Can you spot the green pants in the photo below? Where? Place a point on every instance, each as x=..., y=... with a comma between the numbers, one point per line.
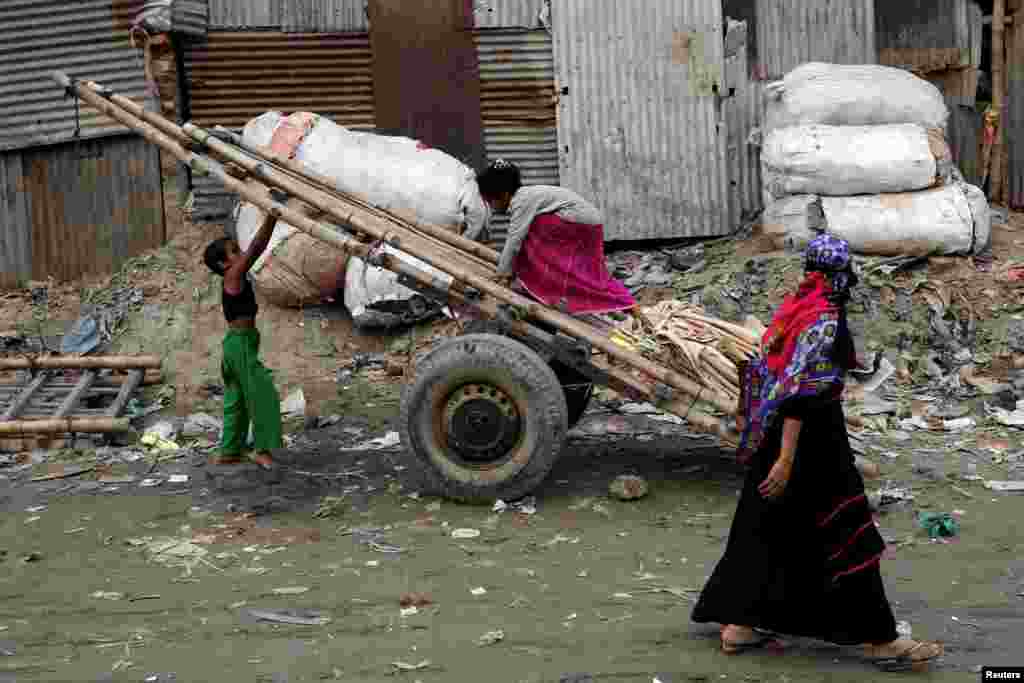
x=249, y=395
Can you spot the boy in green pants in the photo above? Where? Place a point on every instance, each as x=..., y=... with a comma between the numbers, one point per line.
x=249, y=392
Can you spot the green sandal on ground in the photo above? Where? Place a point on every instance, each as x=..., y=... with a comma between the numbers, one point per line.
x=907, y=661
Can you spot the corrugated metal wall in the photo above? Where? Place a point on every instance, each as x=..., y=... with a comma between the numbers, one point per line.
x=324, y=16
x=245, y=14
x=639, y=128
x=508, y=13
x=791, y=32
x=930, y=35
x=742, y=112
x=85, y=39
x=234, y=76
x=1015, y=130
x=78, y=208
x=191, y=17
x=517, y=101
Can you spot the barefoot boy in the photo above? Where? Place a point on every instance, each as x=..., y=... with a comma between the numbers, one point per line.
x=249, y=392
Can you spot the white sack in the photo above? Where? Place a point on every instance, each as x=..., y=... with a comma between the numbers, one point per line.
x=953, y=219
x=853, y=95
x=367, y=286
x=850, y=160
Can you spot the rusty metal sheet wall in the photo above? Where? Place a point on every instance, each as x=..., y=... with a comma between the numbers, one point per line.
x=15, y=228
x=243, y=14
x=517, y=102
x=639, y=128
x=927, y=34
x=963, y=134
x=234, y=76
x=86, y=39
x=324, y=16
x=1015, y=128
x=109, y=209
x=508, y=13
x=742, y=111
x=792, y=32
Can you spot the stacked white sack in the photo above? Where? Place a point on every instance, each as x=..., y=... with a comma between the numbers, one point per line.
x=860, y=152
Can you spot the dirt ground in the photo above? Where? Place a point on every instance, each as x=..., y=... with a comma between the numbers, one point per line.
x=102, y=579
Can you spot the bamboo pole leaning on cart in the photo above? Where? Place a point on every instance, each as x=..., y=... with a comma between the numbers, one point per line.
x=80, y=362
x=482, y=284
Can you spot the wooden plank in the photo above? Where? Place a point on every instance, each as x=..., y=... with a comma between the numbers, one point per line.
x=16, y=235
x=127, y=389
x=80, y=362
x=81, y=425
x=24, y=397
x=76, y=394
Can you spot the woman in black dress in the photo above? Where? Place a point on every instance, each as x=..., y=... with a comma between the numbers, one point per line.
x=803, y=553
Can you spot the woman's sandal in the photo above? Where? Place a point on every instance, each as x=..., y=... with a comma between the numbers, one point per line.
x=905, y=661
x=735, y=647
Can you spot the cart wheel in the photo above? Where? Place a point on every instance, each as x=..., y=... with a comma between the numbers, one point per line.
x=576, y=386
x=483, y=419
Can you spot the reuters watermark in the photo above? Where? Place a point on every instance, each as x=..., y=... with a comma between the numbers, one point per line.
x=1002, y=673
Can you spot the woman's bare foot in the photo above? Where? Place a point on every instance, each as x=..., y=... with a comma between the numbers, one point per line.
x=904, y=654
x=736, y=639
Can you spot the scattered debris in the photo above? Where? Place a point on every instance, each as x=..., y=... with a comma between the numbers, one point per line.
x=478, y=591
x=491, y=637
x=526, y=506
x=403, y=666
x=294, y=617
x=62, y=471
x=415, y=600
x=389, y=440
x=939, y=524
x=294, y=405
x=199, y=424
x=465, y=534
x=290, y=590
x=1005, y=486
x=628, y=487
x=330, y=506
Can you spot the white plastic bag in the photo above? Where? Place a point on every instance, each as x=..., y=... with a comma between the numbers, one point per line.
x=953, y=219
x=853, y=95
x=851, y=160
x=792, y=222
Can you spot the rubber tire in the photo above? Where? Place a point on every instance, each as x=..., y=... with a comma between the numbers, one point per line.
x=520, y=373
x=576, y=399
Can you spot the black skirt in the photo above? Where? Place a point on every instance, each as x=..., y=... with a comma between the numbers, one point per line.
x=806, y=564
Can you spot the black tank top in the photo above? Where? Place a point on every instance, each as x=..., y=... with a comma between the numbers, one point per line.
x=242, y=305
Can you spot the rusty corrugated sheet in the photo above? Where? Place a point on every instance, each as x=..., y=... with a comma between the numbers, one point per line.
x=963, y=134
x=242, y=14
x=86, y=39
x=191, y=17
x=928, y=35
x=517, y=102
x=234, y=76
x=742, y=111
x=324, y=16
x=1015, y=114
x=109, y=207
x=792, y=32
x=639, y=128
x=15, y=227
x=508, y=13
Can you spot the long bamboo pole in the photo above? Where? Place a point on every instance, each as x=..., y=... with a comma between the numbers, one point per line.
x=80, y=425
x=80, y=362
x=563, y=322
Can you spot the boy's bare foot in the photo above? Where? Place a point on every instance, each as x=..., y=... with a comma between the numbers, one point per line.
x=264, y=460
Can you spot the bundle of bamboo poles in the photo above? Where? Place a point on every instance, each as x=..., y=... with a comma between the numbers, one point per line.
x=684, y=337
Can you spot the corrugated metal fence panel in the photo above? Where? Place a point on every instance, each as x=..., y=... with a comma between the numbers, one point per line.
x=792, y=32
x=324, y=16
x=191, y=17
x=927, y=35
x=15, y=227
x=234, y=76
x=742, y=112
x=963, y=135
x=517, y=102
x=638, y=127
x=508, y=13
x=1015, y=129
x=111, y=207
x=86, y=39
x=239, y=14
